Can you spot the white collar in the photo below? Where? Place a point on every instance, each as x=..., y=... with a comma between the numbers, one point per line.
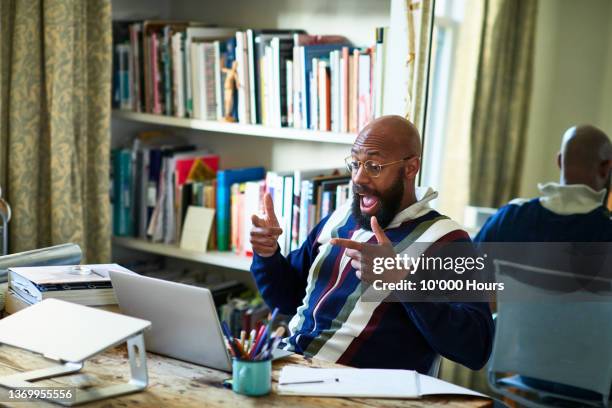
x=421, y=207
x=570, y=198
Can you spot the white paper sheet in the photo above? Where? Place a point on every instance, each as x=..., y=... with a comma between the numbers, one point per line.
x=351, y=382
x=196, y=228
x=365, y=383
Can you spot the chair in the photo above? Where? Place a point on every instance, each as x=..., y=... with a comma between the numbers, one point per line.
x=551, y=337
x=434, y=370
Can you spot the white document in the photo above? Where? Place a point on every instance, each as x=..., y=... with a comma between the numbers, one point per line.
x=364, y=383
x=434, y=386
x=351, y=382
x=196, y=228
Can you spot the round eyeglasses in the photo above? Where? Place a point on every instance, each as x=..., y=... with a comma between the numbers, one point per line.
x=371, y=167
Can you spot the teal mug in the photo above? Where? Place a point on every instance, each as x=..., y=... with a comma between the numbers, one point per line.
x=253, y=378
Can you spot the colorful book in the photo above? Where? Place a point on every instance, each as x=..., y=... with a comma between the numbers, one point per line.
x=225, y=178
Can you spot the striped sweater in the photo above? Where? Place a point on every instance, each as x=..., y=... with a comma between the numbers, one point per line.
x=318, y=287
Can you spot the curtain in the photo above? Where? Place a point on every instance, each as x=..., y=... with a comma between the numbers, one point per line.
x=501, y=103
x=55, y=123
x=419, y=21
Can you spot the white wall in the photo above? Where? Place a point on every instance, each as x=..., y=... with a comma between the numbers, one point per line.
x=572, y=80
x=605, y=113
x=356, y=19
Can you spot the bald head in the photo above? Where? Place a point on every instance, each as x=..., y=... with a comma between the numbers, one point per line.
x=585, y=157
x=392, y=133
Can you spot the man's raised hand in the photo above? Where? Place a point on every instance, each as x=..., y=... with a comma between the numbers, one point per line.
x=265, y=230
x=362, y=254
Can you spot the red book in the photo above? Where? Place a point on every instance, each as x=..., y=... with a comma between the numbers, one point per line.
x=183, y=166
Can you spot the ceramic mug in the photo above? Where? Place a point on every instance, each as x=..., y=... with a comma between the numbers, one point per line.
x=252, y=378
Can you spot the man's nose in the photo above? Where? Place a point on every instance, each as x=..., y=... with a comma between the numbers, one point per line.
x=361, y=176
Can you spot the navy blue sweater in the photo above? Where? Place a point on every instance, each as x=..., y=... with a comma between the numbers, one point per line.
x=396, y=335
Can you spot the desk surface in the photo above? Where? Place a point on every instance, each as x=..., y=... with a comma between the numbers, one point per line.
x=174, y=383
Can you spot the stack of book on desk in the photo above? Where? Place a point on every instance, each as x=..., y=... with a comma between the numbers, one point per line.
x=30, y=285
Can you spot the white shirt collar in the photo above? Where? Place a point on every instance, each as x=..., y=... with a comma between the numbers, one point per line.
x=421, y=207
x=570, y=198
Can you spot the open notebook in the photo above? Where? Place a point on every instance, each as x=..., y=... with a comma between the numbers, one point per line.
x=363, y=383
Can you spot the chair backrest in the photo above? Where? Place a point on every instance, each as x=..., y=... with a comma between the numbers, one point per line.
x=434, y=370
x=558, y=339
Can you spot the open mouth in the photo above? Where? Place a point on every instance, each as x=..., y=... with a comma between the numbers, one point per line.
x=368, y=204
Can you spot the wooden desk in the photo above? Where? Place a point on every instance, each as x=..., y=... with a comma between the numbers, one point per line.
x=174, y=383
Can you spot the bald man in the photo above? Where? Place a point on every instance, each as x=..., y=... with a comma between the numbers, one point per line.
x=571, y=211
x=318, y=284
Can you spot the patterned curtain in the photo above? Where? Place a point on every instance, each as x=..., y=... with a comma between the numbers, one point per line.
x=501, y=103
x=419, y=21
x=55, y=123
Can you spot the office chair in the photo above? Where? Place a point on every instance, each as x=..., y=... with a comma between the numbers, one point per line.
x=434, y=370
x=553, y=339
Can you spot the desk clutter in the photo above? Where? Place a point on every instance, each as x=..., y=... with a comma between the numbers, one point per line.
x=87, y=285
x=64, y=332
x=259, y=345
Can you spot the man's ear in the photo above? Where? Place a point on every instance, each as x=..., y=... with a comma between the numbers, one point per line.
x=605, y=167
x=559, y=160
x=411, y=168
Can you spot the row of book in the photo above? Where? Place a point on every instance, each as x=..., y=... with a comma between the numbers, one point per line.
x=154, y=185
x=278, y=78
x=301, y=199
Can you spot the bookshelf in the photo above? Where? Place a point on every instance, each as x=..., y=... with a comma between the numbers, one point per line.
x=244, y=145
x=237, y=129
x=216, y=258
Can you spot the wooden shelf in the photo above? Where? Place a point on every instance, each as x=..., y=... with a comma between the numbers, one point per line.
x=224, y=259
x=238, y=129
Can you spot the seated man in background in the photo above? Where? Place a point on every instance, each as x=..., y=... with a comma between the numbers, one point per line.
x=573, y=210
x=318, y=284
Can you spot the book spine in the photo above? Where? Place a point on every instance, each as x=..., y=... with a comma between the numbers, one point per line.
x=177, y=74
x=297, y=81
x=314, y=95
x=209, y=74
x=188, y=58
x=354, y=92
x=122, y=220
x=344, y=90
x=289, y=92
x=218, y=82
x=252, y=79
x=364, y=91
x=155, y=74
x=241, y=76
x=167, y=71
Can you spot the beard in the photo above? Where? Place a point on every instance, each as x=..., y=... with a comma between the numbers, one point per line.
x=389, y=203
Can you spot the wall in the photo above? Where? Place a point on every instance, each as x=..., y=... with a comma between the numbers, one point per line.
x=605, y=113
x=572, y=81
x=355, y=19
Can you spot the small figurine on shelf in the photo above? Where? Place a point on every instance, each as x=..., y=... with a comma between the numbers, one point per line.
x=230, y=86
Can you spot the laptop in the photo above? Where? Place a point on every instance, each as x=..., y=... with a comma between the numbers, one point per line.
x=184, y=319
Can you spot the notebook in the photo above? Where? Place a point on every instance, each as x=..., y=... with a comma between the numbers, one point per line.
x=364, y=383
